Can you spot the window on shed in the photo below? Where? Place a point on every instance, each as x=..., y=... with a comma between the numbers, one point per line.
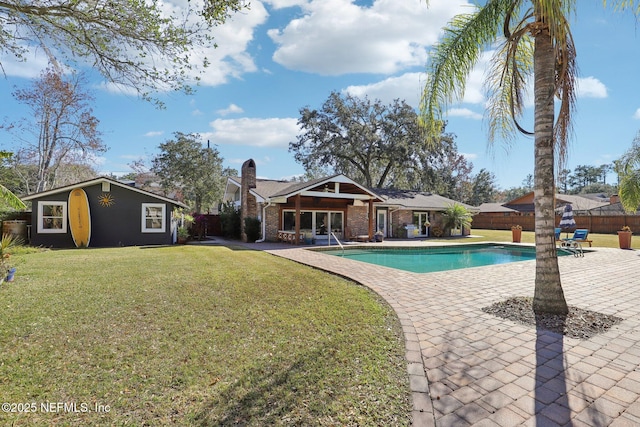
x=153, y=217
x=52, y=217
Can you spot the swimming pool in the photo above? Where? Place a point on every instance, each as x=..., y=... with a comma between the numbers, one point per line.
x=431, y=259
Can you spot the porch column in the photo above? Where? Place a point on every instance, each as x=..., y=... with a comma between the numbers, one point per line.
x=372, y=219
x=297, y=228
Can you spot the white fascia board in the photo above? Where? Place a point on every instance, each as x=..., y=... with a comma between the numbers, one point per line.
x=330, y=195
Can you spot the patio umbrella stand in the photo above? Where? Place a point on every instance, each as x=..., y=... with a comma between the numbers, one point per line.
x=567, y=222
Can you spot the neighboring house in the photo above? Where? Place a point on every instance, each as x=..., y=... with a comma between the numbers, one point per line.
x=596, y=212
x=580, y=204
x=312, y=210
x=121, y=215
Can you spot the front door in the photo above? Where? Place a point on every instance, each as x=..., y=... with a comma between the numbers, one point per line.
x=381, y=222
x=421, y=221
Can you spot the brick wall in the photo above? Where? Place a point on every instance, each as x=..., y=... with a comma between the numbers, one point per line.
x=272, y=220
x=357, y=221
x=398, y=220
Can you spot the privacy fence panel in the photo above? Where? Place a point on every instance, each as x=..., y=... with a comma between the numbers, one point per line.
x=606, y=224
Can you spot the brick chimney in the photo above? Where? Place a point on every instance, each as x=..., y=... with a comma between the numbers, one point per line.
x=614, y=199
x=248, y=204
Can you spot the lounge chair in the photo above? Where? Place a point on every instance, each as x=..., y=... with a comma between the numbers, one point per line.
x=558, y=231
x=579, y=236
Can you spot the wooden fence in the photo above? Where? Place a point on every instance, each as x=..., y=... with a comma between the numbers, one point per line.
x=605, y=224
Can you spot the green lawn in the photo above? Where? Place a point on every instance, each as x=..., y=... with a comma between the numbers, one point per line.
x=195, y=335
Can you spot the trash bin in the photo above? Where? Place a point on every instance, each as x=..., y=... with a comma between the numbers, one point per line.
x=410, y=231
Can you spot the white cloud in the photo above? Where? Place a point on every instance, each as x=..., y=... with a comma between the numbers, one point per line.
x=154, y=133
x=469, y=156
x=335, y=37
x=35, y=62
x=273, y=132
x=281, y=4
x=590, y=87
x=637, y=114
x=465, y=113
x=229, y=60
x=406, y=87
x=231, y=109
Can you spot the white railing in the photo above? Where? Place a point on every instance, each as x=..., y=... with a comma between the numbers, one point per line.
x=337, y=240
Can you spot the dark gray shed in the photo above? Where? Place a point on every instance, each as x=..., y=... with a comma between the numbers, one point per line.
x=121, y=215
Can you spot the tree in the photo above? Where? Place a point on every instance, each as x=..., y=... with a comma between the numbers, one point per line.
x=124, y=40
x=367, y=141
x=583, y=176
x=513, y=193
x=61, y=128
x=197, y=171
x=628, y=168
x=447, y=172
x=456, y=216
x=7, y=197
x=534, y=40
x=483, y=188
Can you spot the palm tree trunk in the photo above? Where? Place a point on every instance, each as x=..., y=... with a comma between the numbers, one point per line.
x=548, y=296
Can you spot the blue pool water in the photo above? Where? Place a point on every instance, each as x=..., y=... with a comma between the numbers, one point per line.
x=430, y=259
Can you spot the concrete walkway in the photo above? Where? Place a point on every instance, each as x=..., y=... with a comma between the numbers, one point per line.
x=467, y=367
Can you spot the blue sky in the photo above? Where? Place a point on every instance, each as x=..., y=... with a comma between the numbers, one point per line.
x=283, y=55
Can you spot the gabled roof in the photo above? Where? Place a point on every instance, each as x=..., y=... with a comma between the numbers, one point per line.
x=265, y=188
x=418, y=200
x=100, y=180
x=494, y=207
x=578, y=202
x=281, y=190
x=328, y=186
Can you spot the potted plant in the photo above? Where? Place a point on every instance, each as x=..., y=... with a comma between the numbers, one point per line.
x=516, y=233
x=6, y=270
x=183, y=235
x=624, y=237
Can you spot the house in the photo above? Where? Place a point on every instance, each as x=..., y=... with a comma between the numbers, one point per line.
x=400, y=208
x=120, y=215
x=586, y=207
x=335, y=205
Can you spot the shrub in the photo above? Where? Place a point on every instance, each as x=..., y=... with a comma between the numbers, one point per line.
x=230, y=221
x=252, y=229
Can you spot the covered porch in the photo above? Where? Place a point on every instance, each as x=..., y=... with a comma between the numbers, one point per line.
x=329, y=208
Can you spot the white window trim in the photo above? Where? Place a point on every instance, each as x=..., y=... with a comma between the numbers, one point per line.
x=163, y=207
x=41, y=229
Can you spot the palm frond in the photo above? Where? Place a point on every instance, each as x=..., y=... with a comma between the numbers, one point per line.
x=622, y=5
x=10, y=199
x=566, y=75
x=511, y=68
x=629, y=170
x=464, y=41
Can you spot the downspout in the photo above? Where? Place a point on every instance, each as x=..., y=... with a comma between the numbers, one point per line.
x=264, y=223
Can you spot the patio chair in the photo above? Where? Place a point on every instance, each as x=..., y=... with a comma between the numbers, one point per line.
x=579, y=236
x=558, y=231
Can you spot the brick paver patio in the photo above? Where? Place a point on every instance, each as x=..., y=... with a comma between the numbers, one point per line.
x=467, y=367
